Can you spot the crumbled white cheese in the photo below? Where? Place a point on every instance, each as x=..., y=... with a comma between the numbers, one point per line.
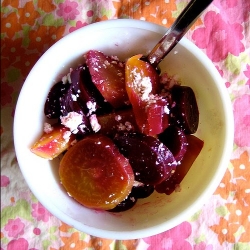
x=138, y=184
x=64, y=79
x=118, y=118
x=166, y=110
x=132, y=199
x=74, y=97
x=161, y=147
x=66, y=136
x=67, y=78
x=142, y=84
x=128, y=126
x=82, y=127
x=152, y=60
x=115, y=58
x=146, y=87
x=47, y=128
x=94, y=123
x=91, y=107
x=72, y=120
x=106, y=62
x=121, y=127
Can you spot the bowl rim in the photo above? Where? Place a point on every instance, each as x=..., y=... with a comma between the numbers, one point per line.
x=225, y=157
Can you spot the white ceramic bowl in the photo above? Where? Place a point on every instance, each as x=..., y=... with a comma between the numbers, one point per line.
x=159, y=212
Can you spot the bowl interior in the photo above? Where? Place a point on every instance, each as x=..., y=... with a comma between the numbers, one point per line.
x=159, y=212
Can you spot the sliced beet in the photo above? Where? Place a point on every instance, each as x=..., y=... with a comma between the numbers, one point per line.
x=88, y=95
x=95, y=173
x=91, y=93
x=151, y=160
x=185, y=109
x=69, y=104
x=194, y=148
x=75, y=77
x=65, y=102
x=52, y=107
x=108, y=75
x=143, y=86
x=175, y=139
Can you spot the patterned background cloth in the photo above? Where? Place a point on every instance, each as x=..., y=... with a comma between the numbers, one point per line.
x=29, y=28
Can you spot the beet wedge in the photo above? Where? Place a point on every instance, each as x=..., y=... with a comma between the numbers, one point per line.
x=142, y=83
x=108, y=75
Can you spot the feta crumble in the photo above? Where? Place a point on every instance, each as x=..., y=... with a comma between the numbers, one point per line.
x=67, y=77
x=72, y=120
x=74, y=97
x=91, y=107
x=94, y=123
x=142, y=84
x=47, y=128
x=66, y=136
x=166, y=110
x=118, y=118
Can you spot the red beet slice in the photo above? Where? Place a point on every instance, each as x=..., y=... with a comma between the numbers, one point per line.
x=52, y=107
x=69, y=104
x=152, y=162
x=108, y=75
x=86, y=92
x=175, y=139
x=193, y=150
x=185, y=111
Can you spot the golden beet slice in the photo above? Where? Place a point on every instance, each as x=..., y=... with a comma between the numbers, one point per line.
x=95, y=173
x=143, y=85
x=54, y=142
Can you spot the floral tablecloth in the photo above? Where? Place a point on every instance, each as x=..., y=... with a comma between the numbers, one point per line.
x=29, y=28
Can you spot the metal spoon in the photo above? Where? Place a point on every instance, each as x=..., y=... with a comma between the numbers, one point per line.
x=179, y=28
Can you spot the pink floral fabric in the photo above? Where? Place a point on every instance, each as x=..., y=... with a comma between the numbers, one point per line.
x=175, y=238
x=40, y=213
x=68, y=10
x=29, y=28
x=242, y=121
x=221, y=32
x=14, y=227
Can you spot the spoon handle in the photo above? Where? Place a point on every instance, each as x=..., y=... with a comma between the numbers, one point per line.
x=179, y=28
